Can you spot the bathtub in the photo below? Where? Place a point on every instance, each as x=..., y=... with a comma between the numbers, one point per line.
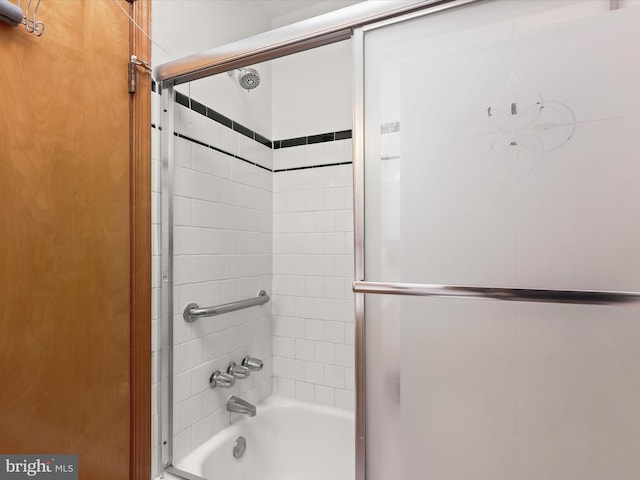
x=286, y=440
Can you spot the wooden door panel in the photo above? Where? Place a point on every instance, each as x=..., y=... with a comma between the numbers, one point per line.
x=65, y=237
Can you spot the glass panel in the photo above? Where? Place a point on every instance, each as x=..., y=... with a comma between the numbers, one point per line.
x=488, y=390
x=501, y=147
x=501, y=150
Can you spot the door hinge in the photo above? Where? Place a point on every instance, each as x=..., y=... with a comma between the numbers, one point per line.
x=133, y=63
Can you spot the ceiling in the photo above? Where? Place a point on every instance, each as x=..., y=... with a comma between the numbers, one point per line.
x=279, y=8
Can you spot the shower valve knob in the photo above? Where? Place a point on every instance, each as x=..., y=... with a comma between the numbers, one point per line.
x=223, y=380
x=238, y=371
x=251, y=363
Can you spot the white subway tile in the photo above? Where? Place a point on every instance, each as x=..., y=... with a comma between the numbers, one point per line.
x=181, y=269
x=325, y=221
x=182, y=152
x=344, y=265
x=295, y=369
x=349, y=334
x=334, y=243
x=324, y=395
x=211, y=132
x=201, y=268
x=344, y=221
x=229, y=141
x=306, y=222
x=304, y=349
x=191, y=354
x=314, y=287
x=190, y=411
x=314, y=329
x=324, y=308
x=304, y=307
x=190, y=184
x=344, y=310
x=344, y=399
x=314, y=373
x=222, y=165
x=201, y=431
x=211, y=241
x=324, y=265
x=344, y=173
x=305, y=392
x=285, y=347
x=182, y=211
x=350, y=379
x=182, y=444
x=212, y=188
x=324, y=352
x=190, y=240
x=200, y=378
x=202, y=159
x=286, y=387
x=213, y=345
x=221, y=419
x=279, y=366
x=181, y=387
x=334, y=332
x=334, y=376
x=313, y=200
x=345, y=355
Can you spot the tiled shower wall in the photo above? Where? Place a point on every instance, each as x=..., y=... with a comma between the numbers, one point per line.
x=313, y=306
x=230, y=233
x=222, y=253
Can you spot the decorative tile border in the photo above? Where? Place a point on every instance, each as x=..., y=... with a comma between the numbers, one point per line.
x=179, y=135
x=203, y=110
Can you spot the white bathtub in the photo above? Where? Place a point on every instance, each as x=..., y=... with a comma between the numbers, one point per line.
x=286, y=440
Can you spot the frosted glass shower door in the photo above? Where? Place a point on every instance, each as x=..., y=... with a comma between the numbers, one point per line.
x=501, y=149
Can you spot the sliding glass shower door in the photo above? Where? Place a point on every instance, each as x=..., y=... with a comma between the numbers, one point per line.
x=500, y=184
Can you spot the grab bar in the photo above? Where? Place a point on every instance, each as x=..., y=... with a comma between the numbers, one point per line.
x=580, y=297
x=192, y=311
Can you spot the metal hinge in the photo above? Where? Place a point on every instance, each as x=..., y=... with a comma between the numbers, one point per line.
x=133, y=63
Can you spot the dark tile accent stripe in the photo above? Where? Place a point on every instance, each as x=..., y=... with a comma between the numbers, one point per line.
x=311, y=166
x=218, y=117
x=182, y=99
x=311, y=139
x=263, y=140
x=244, y=130
x=221, y=151
x=343, y=135
x=196, y=106
x=293, y=142
x=323, y=137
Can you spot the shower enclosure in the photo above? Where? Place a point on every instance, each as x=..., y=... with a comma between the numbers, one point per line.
x=496, y=229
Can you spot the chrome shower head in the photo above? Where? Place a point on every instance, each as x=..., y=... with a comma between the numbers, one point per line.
x=248, y=78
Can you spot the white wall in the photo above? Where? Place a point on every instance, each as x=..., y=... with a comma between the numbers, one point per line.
x=184, y=27
x=312, y=92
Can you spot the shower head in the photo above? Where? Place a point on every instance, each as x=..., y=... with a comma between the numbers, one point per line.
x=248, y=78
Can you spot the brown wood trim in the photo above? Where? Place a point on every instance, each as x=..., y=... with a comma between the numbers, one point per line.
x=140, y=178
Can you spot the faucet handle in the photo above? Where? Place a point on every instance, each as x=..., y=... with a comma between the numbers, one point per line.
x=251, y=363
x=238, y=371
x=219, y=379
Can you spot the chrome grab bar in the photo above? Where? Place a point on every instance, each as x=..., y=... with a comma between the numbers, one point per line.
x=580, y=297
x=192, y=311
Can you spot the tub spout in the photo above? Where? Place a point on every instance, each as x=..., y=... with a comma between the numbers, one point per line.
x=238, y=405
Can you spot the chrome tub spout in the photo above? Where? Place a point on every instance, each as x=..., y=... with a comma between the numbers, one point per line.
x=238, y=405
